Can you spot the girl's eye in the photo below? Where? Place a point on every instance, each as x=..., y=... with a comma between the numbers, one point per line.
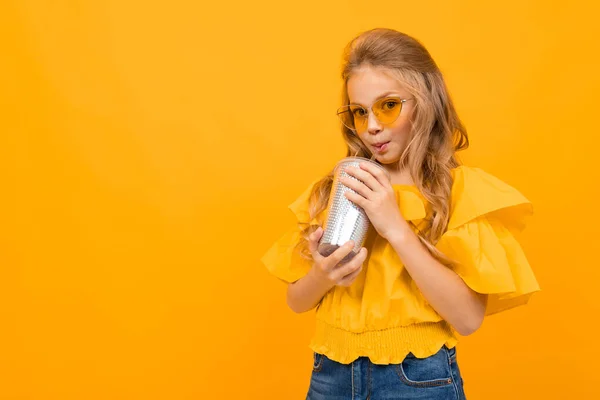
x=390, y=104
x=359, y=112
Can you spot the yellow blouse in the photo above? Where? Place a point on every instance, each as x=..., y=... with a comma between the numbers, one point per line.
x=383, y=315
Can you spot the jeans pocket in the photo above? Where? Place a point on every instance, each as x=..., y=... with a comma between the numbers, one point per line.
x=317, y=362
x=425, y=372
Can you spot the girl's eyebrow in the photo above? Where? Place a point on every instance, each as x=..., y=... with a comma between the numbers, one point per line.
x=380, y=97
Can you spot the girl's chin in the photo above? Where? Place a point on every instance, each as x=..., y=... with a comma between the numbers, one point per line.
x=387, y=158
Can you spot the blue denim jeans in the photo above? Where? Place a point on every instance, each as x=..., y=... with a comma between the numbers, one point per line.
x=433, y=378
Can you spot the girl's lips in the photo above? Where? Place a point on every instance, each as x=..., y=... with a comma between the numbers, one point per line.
x=381, y=147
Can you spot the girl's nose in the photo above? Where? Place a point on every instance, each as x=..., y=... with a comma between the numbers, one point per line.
x=374, y=126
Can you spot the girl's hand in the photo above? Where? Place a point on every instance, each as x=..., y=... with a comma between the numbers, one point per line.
x=375, y=194
x=328, y=270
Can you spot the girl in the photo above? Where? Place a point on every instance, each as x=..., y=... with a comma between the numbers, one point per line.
x=442, y=253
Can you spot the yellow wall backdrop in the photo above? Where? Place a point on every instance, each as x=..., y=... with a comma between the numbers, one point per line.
x=148, y=151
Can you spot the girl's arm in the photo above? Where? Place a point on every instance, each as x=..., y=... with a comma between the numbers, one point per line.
x=447, y=293
x=304, y=294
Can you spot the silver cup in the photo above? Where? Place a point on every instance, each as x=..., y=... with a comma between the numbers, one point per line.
x=345, y=220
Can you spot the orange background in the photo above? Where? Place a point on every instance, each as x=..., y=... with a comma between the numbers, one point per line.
x=148, y=151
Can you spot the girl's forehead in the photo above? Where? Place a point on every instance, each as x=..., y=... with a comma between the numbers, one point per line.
x=366, y=85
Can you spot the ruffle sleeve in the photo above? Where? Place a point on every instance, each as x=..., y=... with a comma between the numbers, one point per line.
x=283, y=258
x=485, y=215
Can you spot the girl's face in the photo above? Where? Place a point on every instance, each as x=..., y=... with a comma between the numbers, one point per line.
x=386, y=141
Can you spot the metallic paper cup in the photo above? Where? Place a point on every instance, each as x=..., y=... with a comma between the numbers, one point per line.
x=345, y=220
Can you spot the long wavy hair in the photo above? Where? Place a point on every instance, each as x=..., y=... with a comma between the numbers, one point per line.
x=436, y=134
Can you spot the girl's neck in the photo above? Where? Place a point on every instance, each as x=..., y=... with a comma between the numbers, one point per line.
x=399, y=176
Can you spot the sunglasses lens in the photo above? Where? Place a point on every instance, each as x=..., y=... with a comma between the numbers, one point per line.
x=360, y=117
x=353, y=117
x=387, y=110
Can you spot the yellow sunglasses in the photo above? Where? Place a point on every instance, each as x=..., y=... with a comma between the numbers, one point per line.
x=356, y=117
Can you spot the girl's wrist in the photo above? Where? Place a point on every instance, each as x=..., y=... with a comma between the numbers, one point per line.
x=317, y=279
x=399, y=231
x=400, y=234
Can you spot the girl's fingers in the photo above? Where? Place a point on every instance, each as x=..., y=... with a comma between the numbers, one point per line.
x=349, y=268
x=356, y=199
x=377, y=173
x=366, y=177
x=350, y=278
x=313, y=243
x=357, y=186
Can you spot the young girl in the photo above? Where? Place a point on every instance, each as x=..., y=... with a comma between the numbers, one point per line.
x=442, y=253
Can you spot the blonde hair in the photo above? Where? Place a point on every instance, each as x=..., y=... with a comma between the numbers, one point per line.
x=437, y=132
